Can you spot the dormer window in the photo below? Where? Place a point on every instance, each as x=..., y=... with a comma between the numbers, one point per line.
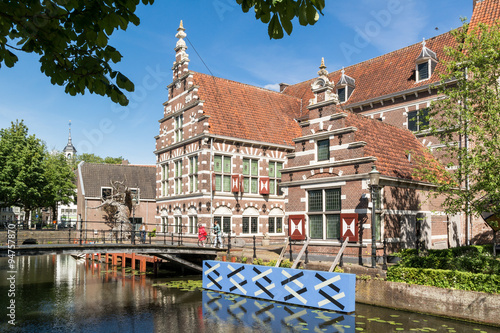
x=425, y=63
x=345, y=87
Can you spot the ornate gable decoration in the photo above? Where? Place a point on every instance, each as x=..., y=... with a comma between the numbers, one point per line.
x=322, y=88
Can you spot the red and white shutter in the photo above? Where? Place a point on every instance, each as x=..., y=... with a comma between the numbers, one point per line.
x=235, y=183
x=213, y=182
x=297, y=227
x=264, y=185
x=349, y=227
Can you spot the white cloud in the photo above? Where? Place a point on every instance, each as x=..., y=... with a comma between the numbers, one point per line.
x=273, y=86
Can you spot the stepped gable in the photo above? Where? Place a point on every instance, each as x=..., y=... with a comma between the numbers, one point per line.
x=390, y=145
x=385, y=75
x=247, y=112
x=95, y=176
x=487, y=11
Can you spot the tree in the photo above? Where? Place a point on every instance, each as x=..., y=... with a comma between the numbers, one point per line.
x=71, y=37
x=278, y=14
x=22, y=175
x=467, y=122
x=92, y=158
x=60, y=188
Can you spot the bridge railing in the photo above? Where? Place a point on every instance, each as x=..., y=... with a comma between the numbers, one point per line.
x=100, y=232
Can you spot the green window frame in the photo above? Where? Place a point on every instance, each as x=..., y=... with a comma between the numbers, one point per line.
x=222, y=169
x=275, y=177
x=193, y=173
x=323, y=149
x=324, y=208
x=250, y=175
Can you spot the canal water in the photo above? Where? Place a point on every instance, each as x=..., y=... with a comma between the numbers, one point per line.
x=60, y=294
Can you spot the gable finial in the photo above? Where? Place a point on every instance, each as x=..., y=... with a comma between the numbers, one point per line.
x=423, y=42
x=343, y=71
x=322, y=68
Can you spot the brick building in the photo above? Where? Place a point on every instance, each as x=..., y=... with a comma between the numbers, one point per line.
x=223, y=148
x=94, y=185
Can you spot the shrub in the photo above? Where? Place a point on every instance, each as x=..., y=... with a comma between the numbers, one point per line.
x=488, y=283
x=474, y=259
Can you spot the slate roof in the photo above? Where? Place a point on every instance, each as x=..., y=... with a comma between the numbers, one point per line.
x=95, y=176
x=390, y=145
x=384, y=75
x=243, y=111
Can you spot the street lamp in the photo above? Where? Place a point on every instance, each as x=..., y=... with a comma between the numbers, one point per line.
x=134, y=201
x=374, y=181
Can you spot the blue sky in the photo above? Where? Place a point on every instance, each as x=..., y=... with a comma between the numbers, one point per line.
x=232, y=44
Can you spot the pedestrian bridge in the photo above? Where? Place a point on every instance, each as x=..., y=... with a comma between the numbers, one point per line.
x=188, y=256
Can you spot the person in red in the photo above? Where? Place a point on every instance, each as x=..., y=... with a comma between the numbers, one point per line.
x=202, y=234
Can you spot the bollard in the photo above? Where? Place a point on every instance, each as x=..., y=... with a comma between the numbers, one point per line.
x=69, y=235
x=172, y=234
x=254, y=248
x=341, y=263
x=290, y=242
x=306, y=261
x=229, y=243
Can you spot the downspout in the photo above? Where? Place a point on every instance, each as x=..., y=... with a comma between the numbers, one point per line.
x=211, y=180
x=467, y=179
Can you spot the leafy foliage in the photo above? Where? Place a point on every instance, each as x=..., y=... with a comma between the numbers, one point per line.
x=278, y=14
x=467, y=122
x=92, y=158
x=488, y=283
x=71, y=38
x=473, y=259
x=60, y=178
x=22, y=176
x=29, y=176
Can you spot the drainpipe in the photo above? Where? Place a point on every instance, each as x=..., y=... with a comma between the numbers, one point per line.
x=467, y=179
x=211, y=180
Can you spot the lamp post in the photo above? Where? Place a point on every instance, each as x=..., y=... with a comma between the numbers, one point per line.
x=374, y=181
x=134, y=200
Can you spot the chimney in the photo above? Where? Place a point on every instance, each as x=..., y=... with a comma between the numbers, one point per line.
x=125, y=162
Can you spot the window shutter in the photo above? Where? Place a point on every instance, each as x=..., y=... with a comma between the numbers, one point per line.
x=213, y=182
x=349, y=227
x=264, y=185
x=296, y=227
x=235, y=183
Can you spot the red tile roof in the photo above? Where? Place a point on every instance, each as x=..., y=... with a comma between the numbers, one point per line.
x=382, y=76
x=390, y=145
x=487, y=11
x=242, y=111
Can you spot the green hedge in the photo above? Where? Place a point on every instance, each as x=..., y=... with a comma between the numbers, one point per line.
x=473, y=259
x=487, y=283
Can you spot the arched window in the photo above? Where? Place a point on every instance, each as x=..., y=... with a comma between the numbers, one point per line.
x=192, y=220
x=250, y=222
x=275, y=224
x=223, y=216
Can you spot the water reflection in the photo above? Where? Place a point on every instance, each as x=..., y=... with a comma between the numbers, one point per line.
x=263, y=316
x=56, y=294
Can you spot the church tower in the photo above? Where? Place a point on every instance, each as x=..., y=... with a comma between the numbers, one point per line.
x=70, y=150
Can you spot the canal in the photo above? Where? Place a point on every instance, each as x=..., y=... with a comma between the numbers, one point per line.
x=59, y=294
